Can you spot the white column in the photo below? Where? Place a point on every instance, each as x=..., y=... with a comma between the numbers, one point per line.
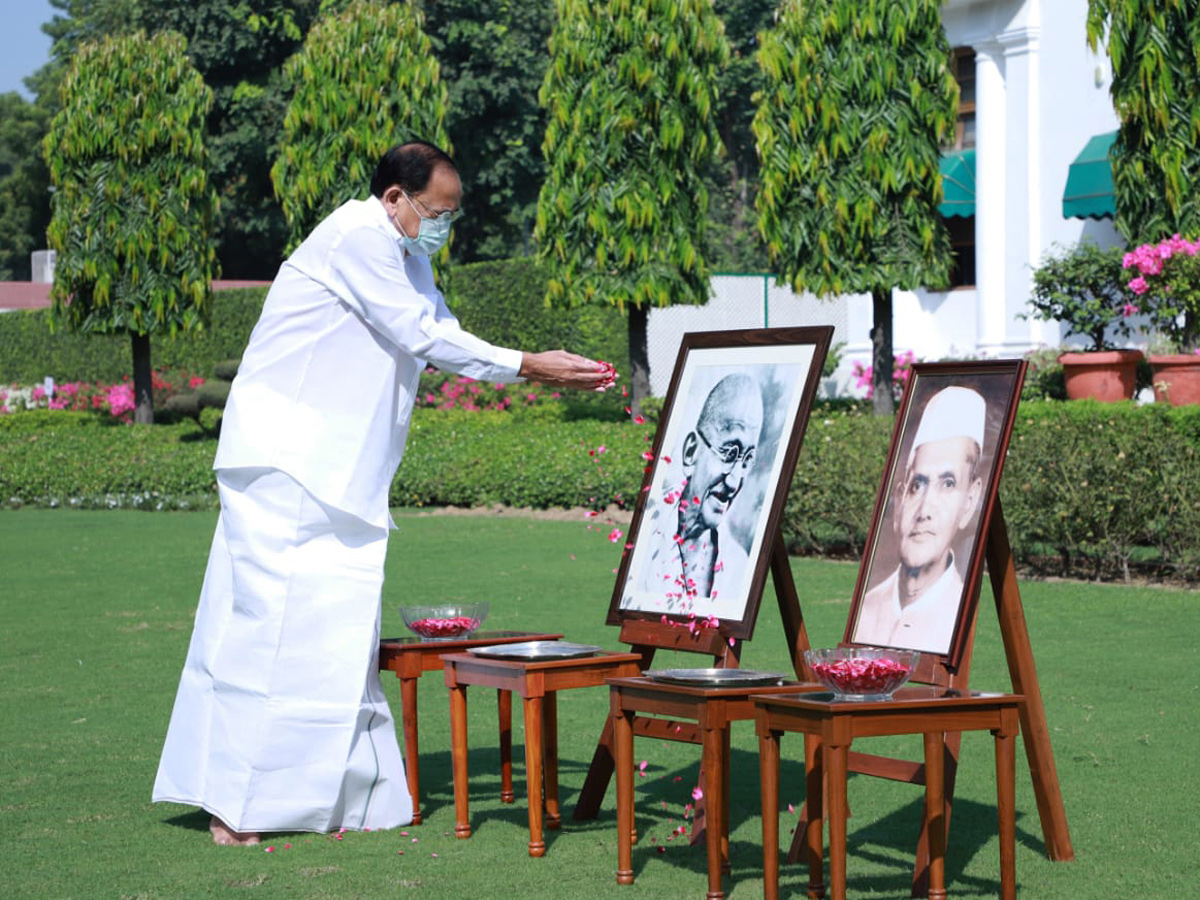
x=990, y=179
x=1023, y=189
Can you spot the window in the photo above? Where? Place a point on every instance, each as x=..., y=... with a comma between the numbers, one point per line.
x=962, y=63
x=962, y=229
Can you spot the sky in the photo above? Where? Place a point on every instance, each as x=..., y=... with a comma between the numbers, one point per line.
x=23, y=47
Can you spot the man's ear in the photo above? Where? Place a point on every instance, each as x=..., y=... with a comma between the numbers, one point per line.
x=974, y=492
x=691, y=446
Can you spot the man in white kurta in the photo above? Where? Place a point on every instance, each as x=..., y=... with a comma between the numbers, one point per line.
x=916, y=606
x=280, y=723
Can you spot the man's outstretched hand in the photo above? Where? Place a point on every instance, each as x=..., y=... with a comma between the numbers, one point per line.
x=560, y=369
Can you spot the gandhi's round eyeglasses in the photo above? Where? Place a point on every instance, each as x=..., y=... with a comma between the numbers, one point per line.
x=729, y=454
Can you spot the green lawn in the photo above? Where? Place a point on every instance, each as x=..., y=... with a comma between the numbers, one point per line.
x=97, y=609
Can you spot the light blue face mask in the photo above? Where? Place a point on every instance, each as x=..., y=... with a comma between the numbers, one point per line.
x=431, y=235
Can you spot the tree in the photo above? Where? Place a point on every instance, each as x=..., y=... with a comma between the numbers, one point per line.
x=859, y=99
x=736, y=245
x=621, y=218
x=1154, y=46
x=24, y=183
x=493, y=58
x=364, y=81
x=133, y=209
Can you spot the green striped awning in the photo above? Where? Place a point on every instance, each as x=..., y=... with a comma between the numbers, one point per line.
x=1089, y=191
x=958, y=183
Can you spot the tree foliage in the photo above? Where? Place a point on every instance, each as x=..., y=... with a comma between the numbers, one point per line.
x=1154, y=46
x=493, y=59
x=859, y=99
x=24, y=183
x=630, y=93
x=366, y=79
x=133, y=208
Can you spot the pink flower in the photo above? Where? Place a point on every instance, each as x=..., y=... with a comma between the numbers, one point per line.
x=1129, y=309
x=1139, y=286
x=697, y=793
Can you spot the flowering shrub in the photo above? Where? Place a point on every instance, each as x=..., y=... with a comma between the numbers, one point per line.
x=902, y=364
x=77, y=396
x=1168, y=281
x=1084, y=289
x=440, y=390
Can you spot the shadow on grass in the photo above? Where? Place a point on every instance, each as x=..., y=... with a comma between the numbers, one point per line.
x=662, y=809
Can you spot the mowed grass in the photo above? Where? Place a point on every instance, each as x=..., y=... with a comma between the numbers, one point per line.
x=97, y=610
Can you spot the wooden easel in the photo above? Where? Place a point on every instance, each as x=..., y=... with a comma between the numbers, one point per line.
x=647, y=637
x=1034, y=731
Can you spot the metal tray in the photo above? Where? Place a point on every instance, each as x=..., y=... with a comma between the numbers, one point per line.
x=537, y=650
x=715, y=677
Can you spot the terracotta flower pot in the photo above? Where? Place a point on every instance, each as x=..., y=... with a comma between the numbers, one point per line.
x=1107, y=375
x=1176, y=378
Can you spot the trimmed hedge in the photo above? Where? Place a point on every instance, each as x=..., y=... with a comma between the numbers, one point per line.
x=1093, y=490
x=29, y=350
x=500, y=301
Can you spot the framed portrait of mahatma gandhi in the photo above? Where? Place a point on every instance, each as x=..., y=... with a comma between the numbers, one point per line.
x=722, y=461
x=919, y=579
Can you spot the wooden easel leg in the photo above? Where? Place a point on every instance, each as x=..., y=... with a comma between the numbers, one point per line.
x=603, y=764
x=1019, y=653
x=789, y=608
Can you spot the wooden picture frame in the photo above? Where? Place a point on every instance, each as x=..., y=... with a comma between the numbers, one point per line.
x=918, y=584
x=706, y=521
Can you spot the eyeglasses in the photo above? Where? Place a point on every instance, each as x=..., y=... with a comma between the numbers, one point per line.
x=729, y=455
x=450, y=215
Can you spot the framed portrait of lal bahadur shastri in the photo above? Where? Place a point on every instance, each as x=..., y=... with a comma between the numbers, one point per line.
x=723, y=458
x=918, y=583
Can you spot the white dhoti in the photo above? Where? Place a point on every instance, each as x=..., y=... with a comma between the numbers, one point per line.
x=280, y=723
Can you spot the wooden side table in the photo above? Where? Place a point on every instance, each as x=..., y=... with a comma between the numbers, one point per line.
x=537, y=683
x=830, y=726
x=409, y=658
x=713, y=709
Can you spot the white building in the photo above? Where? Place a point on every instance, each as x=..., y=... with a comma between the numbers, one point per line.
x=1033, y=95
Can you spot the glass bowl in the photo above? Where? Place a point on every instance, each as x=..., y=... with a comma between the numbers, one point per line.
x=862, y=673
x=445, y=622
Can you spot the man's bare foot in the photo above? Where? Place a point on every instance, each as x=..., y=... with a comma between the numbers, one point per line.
x=227, y=837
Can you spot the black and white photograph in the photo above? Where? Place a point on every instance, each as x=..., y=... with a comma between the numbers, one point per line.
x=924, y=544
x=729, y=434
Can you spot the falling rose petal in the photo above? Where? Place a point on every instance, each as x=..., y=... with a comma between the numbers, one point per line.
x=791, y=808
x=628, y=410
x=434, y=855
x=648, y=456
x=615, y=535
x=639, y=420
x=591, y=513
x=731, y=642
x=667, y=460
x=414, y=840
x=269, y=850
x=601, y=449
x=661, y=848
x=287, y=846
x=697, y=793
x=679, y=778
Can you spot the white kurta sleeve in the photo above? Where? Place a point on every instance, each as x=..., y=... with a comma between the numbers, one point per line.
x=367, y=271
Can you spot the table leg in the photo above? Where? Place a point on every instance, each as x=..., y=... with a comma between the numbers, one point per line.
x=714, y=814
x=768, y=780
x=458, y=757
x=550, y=738
x=1006, y=804
x=504, y=710
x=726, y=868
x=408, y=712
x=935, y=813
x=622, y=736
x=835, y=758
x=814, y=791
x=533, y=773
